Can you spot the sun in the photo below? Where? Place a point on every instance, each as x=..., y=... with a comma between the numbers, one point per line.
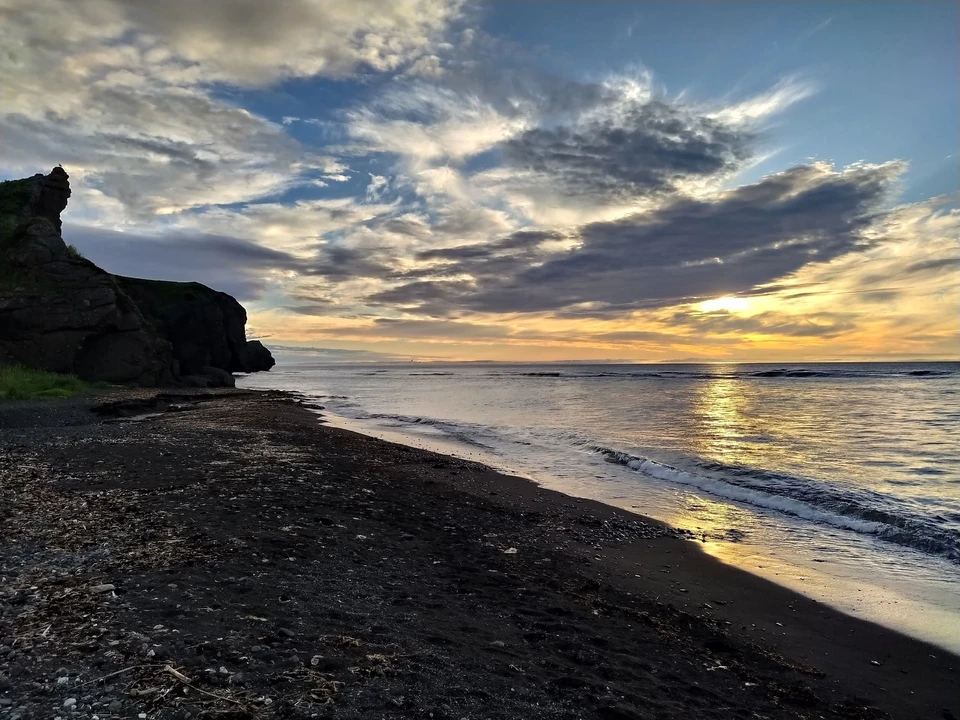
x=724, y=304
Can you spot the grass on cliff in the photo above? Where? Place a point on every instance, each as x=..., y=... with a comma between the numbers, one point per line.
x=20, y=383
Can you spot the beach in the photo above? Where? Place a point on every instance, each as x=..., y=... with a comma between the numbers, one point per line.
x=225, y=554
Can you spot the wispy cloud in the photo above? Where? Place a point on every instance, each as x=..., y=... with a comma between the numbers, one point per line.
x=453, y=190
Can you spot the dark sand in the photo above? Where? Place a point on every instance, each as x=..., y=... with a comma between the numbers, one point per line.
x=266, y=566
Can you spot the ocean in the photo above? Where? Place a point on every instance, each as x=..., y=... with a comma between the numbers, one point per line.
x=839, y=480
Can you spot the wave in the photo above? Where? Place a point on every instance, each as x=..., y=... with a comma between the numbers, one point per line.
x=855, y=509
x=734, y=374
x=818, y=504
x=460, y=431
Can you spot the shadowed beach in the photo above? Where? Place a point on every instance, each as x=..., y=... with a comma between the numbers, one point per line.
x=225, y=555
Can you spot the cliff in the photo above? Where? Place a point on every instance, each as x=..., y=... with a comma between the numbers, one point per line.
x=61, y=312
x=205, y=327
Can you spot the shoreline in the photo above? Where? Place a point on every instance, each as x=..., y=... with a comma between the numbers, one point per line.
x=244, y=500
x=897, y=607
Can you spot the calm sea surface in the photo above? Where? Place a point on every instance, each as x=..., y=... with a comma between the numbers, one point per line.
x=840, y=480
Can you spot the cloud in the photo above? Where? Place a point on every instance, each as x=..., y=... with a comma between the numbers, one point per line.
x=427, y=124
x=292, y=354
x=456, y=190
x=428, y=66
x=129, y=94
x=297, y=226
x=647, y=150
x=339, y=262
x=528, y=240
x=688, y=248
x=813, y=325
x=238, y=267
x=951, y=264
x=405, y=328
x=251, y=43
x=787, y=92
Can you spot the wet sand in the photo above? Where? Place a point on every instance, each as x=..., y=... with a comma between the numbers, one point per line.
x=263, y=565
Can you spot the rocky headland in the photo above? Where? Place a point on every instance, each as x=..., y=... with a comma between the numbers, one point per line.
x=62, y=313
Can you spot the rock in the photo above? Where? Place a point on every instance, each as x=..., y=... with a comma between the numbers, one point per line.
x=256, y=357
x=106, y=587
x=60, y=312
x=115, y=706
x=205, y=327
x=217, y=377
x=69, y=702
x=197, y=381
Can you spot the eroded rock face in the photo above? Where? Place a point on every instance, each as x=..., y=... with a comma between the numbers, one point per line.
x=256, y=357
x=205, y=327
x=60, y=312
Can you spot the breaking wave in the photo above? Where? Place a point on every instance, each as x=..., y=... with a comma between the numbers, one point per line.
x=801, y=498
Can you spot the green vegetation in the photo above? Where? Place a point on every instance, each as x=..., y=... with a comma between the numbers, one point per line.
x=20, y=383
x=74, y=253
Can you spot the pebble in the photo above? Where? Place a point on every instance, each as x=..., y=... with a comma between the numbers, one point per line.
x=69, y=702
x=106, y=587
x=115, y=706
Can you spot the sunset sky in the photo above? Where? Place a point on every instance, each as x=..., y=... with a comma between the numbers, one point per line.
x=513, y=181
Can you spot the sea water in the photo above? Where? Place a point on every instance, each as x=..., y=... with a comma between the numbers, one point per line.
x=839, y=480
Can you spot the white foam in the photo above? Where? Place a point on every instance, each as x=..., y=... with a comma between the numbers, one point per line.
x=757, y=498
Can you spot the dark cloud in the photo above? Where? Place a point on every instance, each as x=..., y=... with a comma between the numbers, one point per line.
x=235, y=266
x=521, y=240
x=430, y=297
x=689, y=249
x=646, y=151
x=879, y=297
x=339, y=262
x=935, y=265
x=319, y=307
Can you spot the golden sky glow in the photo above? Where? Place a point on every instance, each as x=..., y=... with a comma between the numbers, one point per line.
x=408, y=178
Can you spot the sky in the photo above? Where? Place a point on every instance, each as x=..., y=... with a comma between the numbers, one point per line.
x=517, y=181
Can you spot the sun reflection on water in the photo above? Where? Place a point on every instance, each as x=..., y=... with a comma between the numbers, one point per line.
x=721, y=408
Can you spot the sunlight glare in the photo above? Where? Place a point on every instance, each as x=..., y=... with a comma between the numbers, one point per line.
x=725, y=304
